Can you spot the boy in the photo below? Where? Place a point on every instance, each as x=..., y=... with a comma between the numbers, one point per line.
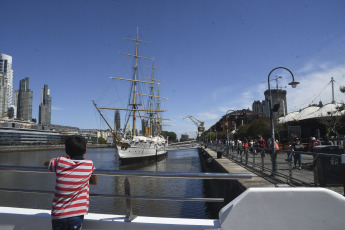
x=73, y=176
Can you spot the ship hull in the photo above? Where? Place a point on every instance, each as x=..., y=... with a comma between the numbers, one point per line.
x=140, y=153
x=142, y=159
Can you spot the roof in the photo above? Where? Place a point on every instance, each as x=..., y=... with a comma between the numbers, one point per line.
x=327, y=110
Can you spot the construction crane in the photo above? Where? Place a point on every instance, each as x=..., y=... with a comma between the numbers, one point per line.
x=199, y=124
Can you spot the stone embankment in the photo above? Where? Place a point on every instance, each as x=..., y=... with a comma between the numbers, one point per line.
x=228, y=189
x=15, y=148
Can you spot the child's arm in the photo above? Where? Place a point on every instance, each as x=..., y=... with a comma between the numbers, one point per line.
x=46, y=163
x=93, y=179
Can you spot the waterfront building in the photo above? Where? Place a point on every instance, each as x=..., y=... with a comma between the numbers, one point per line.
x=11, y=133
x=6, y=83
x=232, y=121
x=184, y=136
x=25, y=97
x=44, y=116
x=117, y=120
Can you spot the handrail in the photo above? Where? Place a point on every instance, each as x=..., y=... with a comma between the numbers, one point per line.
x=254, y=161
x=104, y=172
x=120, y=196
x=127, y=196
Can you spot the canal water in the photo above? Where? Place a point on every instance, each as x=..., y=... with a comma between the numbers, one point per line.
x=176, y=161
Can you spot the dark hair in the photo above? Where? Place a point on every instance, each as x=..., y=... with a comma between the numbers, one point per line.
x=75, y=145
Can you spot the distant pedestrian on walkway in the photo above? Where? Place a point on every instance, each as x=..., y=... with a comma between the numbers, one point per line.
x=239, y=147
x=276, y=145
x=297, y=147
x=262, y=145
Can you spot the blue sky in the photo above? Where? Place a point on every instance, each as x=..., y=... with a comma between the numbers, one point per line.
x=213, y=55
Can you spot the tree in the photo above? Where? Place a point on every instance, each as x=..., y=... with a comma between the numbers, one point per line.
x=259, y=127
x=172, y=136
x=242, y=132
x=101, y=140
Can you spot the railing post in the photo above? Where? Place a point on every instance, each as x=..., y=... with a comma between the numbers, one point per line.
x=290, y=165
x=254, y=151
x=241, y=152
x=129, y=212
x=246, y=151
x=343, y=168
x=262, y=159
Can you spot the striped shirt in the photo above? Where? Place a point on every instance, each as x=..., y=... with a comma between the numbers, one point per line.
x=72, y=186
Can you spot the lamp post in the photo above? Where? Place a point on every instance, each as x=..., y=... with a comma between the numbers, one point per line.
x=227, y=126
x=227, y=129
x=293, y=84
x=216, y=137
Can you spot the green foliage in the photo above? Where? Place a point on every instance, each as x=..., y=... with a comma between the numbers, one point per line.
x=101, y=140
x=211, y=135
x=172, y=136
x=259, y=127
x=183, y=139
x=221, y=135
x=242, y=132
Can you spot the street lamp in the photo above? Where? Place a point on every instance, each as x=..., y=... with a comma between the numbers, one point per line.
x=293, y=84
x=227, y=125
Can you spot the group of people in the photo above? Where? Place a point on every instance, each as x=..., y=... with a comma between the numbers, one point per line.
x=259, y=145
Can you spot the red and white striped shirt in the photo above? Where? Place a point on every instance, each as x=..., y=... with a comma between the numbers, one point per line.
x=72, y=186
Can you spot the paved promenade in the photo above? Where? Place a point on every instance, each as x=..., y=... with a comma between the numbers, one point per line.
x=262, y=177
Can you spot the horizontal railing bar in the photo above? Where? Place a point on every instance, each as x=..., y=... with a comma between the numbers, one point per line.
x=121, y=196
x=224, y=176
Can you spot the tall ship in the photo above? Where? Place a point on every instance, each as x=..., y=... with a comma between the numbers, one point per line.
x=149, y=146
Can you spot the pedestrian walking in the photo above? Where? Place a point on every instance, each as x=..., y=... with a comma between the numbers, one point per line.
x=297, y=148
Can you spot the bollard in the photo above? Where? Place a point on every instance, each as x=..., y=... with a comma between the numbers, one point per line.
x=343, y=168
x=219, y=154
x=290, y=166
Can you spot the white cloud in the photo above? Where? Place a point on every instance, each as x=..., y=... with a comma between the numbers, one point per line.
x=56, y=108
x=221, y=92
x=315, y=86
x=209, y=115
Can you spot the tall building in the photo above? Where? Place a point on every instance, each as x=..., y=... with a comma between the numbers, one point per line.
x=261, y=107
x=6, y=83
x=117, y=120
x=278, y=97
x=25, y=96
x=45, y=108
x=144, y=126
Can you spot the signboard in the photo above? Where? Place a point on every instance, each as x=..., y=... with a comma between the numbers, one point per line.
x=294, y=131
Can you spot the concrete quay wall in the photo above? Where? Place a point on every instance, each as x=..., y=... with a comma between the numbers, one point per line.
x=228, y=189
x=16, y=148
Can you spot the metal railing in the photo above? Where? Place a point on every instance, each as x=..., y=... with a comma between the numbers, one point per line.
x=124, y=173
x=259, y=159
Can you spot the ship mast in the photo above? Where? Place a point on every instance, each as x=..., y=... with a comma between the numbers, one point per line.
x=135, y=106
x=135, y=78
x=151, y=95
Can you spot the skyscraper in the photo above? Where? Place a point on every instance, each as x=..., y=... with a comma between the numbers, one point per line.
x=44, y=115
x=117, y=120
x=278, y=97
x=6, y=83
x=144, y=126
x=25, y=96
